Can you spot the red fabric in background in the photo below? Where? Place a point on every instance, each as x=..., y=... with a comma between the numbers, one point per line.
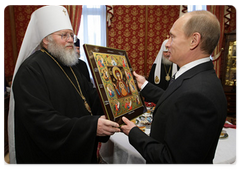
x=129, y=26
x=140, y=30
x=9, y=62
x=160, y=21
x=22, y=17
x=127, y=32
x=14, y=30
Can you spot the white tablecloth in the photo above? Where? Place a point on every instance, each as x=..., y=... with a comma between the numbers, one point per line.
x=226, y=149
x=119, y=151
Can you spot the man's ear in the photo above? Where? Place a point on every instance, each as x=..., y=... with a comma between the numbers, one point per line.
x=195, y=40
x=45, y=41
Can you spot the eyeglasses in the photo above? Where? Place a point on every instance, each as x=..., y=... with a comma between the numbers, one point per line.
x=66, y=36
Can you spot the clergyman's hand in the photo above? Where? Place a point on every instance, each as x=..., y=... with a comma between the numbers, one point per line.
x=129, y=125
x=140, y=79
x=106, y=127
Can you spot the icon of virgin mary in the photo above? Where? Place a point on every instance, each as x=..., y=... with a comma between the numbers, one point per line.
x=121, y=87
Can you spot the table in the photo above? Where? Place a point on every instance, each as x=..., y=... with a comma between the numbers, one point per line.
x=118, y=150
x=226, y=149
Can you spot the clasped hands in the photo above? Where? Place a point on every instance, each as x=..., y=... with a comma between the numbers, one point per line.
x=107, y=127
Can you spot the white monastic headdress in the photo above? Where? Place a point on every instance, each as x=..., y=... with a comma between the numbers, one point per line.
x=158, y=61
x=43, y=22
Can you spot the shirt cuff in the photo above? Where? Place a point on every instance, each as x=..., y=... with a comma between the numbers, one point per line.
x=144, y=84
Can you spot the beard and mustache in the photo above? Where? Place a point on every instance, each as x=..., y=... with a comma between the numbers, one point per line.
x=67, y=57
x=166, y=61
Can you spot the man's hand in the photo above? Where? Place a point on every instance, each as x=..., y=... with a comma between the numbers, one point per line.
x=106, y=127
x=140, y=79
x=129, y=125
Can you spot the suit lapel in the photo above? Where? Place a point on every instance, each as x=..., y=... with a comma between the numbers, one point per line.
x=173, y=87
x=178, y=82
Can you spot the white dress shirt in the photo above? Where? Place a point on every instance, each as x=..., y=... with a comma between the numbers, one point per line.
x=190, y=65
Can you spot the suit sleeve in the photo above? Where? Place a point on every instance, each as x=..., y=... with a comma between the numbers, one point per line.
x=149, y=148
x=189, y=133
x=152, y=92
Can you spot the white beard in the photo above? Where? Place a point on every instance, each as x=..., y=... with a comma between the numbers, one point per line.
x=67, y=57
x=166, y=61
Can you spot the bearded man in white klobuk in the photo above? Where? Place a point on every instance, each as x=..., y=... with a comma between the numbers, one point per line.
x=55, y=114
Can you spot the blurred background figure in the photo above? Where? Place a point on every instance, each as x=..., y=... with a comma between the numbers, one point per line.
x=162, y=69
x=81, y=65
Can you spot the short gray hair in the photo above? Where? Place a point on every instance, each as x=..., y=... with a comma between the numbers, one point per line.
x=207, y=25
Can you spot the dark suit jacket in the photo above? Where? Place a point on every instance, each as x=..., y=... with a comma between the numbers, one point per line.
x=187, y=120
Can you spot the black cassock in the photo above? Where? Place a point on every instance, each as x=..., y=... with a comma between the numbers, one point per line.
x=52, y=124
x=163, y=82
x=82, y=66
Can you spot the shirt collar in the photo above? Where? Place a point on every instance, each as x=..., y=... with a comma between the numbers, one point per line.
x=190, y=65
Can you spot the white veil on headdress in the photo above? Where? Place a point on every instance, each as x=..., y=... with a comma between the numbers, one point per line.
x=158, y=61
x=43, y=22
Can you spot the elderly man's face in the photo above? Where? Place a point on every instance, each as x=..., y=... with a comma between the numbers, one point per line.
x=64, y=38
x=61, y=46
x=166, y=54
x=165, y=58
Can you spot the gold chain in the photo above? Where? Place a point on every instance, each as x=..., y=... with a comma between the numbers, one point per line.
x=167, y=77
x=168, y=69
x=79, y=91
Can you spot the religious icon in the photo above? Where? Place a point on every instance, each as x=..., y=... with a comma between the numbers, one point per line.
x=113, y=61
x=120, y=85
x=100, y=61
x=110, y=90
x=128, y=104
x=137, y=99
x=128, y=74
x=105, y=74
x=132, y=86
x=116, y=105
x=123, y=62
x=115, y=82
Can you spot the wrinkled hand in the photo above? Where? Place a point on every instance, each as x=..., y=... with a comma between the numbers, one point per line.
x=129, y=125
x=140, y=79
x=106, y=127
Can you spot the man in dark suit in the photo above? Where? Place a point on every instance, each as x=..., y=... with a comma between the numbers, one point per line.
x=190, y=113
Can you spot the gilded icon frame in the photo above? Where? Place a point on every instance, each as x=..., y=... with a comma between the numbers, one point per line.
x=115, y=83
